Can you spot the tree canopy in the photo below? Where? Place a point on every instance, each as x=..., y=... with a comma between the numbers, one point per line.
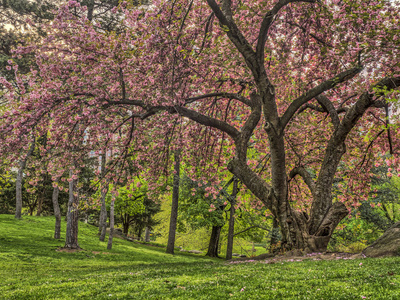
x=273, y=91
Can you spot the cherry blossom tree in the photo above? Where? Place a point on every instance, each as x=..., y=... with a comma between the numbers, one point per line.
x=291, y=96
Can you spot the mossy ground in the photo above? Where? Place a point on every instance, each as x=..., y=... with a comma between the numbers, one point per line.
x=31, y=268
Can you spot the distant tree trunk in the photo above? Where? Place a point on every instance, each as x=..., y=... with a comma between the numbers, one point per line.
x=147, y=235
x=126, y=222
x=18, y=182
x=103, y=210
x=110, y=236
x=40, y=203
x=57, y=213
x=140, y=231
x=231, y=229
x=214, y=241
x=71, y=240
x=174, y=205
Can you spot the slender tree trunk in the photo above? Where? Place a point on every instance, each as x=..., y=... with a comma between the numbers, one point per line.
x=140, y=231
x=18, y=182
x=57, y=213
x=147, y=235
x=103, y=210
x=174, y=206
x=214, y=241
x=126, y=223
x=103, y=216
x=110, y=237
x=231, y=229
x=40, y=203
x=71, y=240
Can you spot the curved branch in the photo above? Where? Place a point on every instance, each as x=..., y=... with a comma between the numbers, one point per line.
x=328, y=106
x=305, y=175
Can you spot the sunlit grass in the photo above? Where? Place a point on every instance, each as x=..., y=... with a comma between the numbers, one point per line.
x=31, y=268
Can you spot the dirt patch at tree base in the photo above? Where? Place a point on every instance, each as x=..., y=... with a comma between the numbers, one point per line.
x=290, y=257
x=69, y=250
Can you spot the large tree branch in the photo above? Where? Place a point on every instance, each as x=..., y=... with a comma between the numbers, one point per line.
x=328, y=106
x=208, y=121
x=238, y=97
x=363, y=103
x=267, y=22
x=336, y=148
x=253, y=182
x=248, y=128
x=314, y=92
x=183, y=111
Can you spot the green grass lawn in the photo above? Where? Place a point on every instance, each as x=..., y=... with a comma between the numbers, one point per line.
x=30, y=268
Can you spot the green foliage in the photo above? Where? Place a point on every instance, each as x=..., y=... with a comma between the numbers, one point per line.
x=127, y=201
x=197, y=207
x=30, y=268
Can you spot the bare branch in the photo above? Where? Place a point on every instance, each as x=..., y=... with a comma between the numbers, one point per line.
x=267, y=22
x=314, y=92
x=238, y=97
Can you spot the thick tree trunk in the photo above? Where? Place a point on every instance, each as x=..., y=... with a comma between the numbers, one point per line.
x=57, y=213
x=71, y=239
x=147, y=235
x=229, y=247
x=174, y=205
x=110, y=236
x=18, y=182
x=214, y=242
x=275, y=236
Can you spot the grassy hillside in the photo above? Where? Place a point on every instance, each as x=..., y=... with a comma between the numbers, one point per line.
x=31, y=268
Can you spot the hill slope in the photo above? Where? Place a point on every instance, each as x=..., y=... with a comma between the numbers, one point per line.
x=31, y=268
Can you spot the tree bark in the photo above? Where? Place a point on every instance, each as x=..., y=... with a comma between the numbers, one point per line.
x=40, y=203
x=18, y=182
x=147, y=235
x=229, y=247
x=110, y=236
x=103, y=210
x=71, y=239
x=103, y=216
x=57, y=213
x=275, y=236
x=214, y=241
x=126, y=223
x=174, y=206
